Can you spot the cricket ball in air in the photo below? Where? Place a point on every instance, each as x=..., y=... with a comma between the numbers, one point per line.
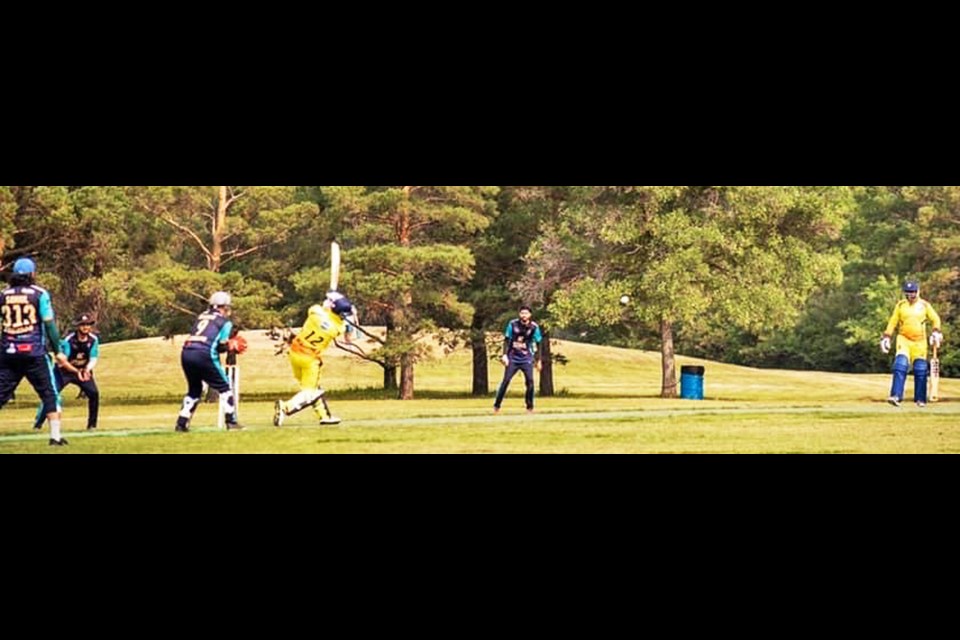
x=624, y=299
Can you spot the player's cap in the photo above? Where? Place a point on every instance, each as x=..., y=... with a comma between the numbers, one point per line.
x=220, y=299
x=84, y=318
x=24, y=265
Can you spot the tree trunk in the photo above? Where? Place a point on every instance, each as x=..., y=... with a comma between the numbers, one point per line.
x=478, y=343
x=389, y=370
x=546, y=361
x=406, y=377
x=481, y=374
x=389, y=377
x=668, y=384
x=217, y=231
x=403, y=238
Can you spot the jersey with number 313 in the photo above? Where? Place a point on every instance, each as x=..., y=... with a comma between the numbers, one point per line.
x=318, y=332
x=23, y=310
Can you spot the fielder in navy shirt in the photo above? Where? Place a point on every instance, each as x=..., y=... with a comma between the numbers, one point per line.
x=522, y=338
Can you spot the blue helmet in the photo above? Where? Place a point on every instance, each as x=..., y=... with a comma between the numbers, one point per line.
x=342, y=307
x=911, y=286
x=24, y=265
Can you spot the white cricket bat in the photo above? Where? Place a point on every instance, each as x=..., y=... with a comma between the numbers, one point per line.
x=934, y=376
x=334, y=266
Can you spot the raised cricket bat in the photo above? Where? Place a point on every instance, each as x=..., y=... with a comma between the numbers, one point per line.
x=334, y=266
x=934, y=376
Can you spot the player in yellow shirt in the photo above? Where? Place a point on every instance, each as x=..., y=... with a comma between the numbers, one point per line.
x=911, y=315
x=325, y=322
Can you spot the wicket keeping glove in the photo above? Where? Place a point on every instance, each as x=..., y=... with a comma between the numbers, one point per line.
x=885, y=344
x=936, y=338
x=237, y=345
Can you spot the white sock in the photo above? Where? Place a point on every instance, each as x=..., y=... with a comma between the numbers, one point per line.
x=55, y=429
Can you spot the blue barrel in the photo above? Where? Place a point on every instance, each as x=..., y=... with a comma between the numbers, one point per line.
x=691, y=382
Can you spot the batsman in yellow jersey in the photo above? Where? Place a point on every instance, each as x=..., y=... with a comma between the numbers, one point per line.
x=911, y=315
x=325, y=322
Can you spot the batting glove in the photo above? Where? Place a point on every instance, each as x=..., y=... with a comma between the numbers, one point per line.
x=936, y=338
x=885, y=344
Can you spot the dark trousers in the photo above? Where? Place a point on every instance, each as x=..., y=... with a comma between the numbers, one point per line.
x=36, y=370
x=512, y=369
x=89, y=389
x=199, y=367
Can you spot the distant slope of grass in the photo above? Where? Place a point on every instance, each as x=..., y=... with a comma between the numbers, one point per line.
x=140, y=370
x=609, y=403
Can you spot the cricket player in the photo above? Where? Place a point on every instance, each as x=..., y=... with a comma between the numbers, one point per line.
x=911, y=314
x=520, y=353
x=27, y=323
x=82, y=348
x=325, y=322
x=200, y=359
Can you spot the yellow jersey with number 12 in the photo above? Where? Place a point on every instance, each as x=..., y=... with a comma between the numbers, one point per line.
x=318, y=332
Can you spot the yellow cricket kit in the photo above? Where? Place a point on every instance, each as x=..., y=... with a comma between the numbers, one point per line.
x=318, y=332
x=911, y=318
x=912, y=340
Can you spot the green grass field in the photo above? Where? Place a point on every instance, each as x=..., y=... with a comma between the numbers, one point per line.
x=607, y=403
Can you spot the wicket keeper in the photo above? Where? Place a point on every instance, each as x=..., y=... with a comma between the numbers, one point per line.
x=200, y=359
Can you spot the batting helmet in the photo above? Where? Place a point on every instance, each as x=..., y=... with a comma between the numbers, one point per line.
x=342, y=306
x=24, y=265
x=911, y=287
x=220, y=299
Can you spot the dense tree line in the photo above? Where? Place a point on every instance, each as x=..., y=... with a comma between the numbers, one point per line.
x=787, y=277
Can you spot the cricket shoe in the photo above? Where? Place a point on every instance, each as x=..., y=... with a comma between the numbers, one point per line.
x=330, y=420
x=58, y=443
x=182, y=426
x=234, y=426
x=921, y=404
x=894, y=400
x=38, y=426
x=279, y=412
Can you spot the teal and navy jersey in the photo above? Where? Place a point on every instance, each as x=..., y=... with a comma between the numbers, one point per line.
x=208, y=331
x=79, y=352
x=520, y=342
x=24, y=311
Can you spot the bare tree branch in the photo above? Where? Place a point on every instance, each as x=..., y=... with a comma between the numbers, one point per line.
x=236, y=254
x=190, y=233
x=176, y=307
x=233, y=198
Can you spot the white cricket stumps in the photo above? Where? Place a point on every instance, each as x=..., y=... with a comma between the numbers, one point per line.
x=233, y=374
